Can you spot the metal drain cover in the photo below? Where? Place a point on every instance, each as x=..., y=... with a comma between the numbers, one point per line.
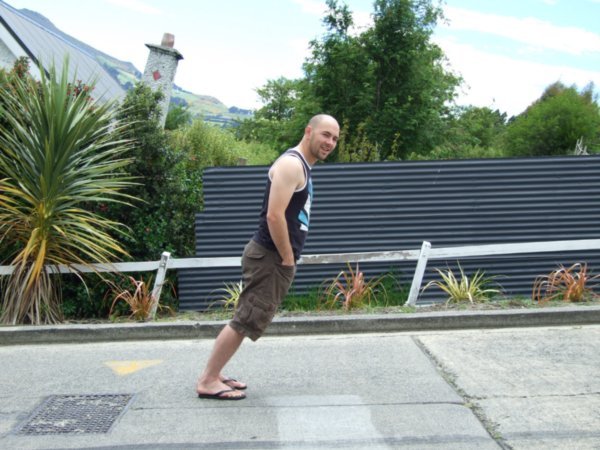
x=76, y=414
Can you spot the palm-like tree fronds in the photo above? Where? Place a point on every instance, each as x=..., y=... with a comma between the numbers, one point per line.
x=60, y=153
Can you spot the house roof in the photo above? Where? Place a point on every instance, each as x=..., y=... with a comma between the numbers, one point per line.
x=25, y=37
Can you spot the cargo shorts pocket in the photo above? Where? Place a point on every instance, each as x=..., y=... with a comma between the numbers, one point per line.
x=257, y=314
x=254, y=251
x=286, y=273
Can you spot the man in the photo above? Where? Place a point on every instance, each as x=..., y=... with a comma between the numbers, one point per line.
x=269, y=259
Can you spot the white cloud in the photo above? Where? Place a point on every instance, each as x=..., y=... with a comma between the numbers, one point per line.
x=505, y=83
x=362, y=19
x=137, y=6
x=531, y=31
x=313, y=7
x=299, y=51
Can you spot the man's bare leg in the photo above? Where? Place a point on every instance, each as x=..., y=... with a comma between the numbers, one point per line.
x=226, y=344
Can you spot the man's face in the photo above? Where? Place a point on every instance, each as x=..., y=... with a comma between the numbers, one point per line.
x=323, y=139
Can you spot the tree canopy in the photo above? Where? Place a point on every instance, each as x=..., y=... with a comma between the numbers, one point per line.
x=553, y=124
x=393, y=95
x=386, y=85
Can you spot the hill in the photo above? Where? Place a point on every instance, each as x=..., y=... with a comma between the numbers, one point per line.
x=126, y=74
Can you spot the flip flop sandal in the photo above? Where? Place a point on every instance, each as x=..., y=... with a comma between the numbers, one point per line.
x=219, y=395
x=229, y=382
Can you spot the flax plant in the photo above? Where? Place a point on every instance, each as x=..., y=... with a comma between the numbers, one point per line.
x=569, y=284
x=230, y=295
x=464, y=289
x=351, y=290
x=138, y=297
x=61, y=152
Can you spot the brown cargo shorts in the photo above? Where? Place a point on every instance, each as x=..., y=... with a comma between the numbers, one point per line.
x=266, y=283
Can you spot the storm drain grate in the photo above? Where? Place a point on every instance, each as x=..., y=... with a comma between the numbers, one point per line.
x=76, y=414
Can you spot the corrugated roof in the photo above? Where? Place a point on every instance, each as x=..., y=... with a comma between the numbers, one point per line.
x=45, y=46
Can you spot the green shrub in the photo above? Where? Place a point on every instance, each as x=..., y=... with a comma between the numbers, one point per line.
x=177, y=117
x=92, y=298
x=255, y=153
x=171, y=194
x=204, y=145
x=301, y=302
x=553, y=124
x=397, y=293
x=446, y=152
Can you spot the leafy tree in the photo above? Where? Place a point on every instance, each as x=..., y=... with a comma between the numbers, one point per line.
x=178, y=116
x=168, y=167
x=340, y=72
x=281, y=121
x=60, y=152
x=355, y=147
x=164, y=220
x=411, y=86
x=386, y=85
x=478, y=126
x=471, y=132
x=553, y=123
x=278, y=97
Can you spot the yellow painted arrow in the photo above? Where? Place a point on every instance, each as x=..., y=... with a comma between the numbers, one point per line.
x=129, y=367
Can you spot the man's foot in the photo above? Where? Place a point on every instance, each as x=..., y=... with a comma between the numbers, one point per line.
x=233, y=383
x=227, y=394
x=216, y=387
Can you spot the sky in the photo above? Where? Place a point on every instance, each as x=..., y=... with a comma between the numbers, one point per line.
x=507, y=51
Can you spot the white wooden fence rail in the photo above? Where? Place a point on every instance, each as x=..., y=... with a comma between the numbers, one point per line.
x=420, y=255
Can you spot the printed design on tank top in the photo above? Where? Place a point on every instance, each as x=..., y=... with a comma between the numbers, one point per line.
x=304, y=215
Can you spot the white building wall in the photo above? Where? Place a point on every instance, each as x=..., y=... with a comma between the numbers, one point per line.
x=10, y=50
x=7, y=58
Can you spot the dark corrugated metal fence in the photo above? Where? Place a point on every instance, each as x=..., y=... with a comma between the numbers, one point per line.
x=398, y=205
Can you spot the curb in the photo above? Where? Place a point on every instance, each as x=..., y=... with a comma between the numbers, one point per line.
x=307, y=325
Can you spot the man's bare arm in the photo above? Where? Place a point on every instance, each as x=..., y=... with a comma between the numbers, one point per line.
x=287, y=175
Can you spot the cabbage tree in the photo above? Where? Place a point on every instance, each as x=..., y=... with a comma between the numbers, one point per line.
x=61, y=153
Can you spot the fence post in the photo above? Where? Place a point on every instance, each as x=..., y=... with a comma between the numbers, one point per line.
x=158, y=283
x=415, y=287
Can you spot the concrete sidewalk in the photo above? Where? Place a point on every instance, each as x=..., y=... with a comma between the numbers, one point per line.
x=509, y=388
x=307, y=325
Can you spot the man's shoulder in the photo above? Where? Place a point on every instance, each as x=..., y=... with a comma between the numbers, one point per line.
x=289, y=169
x=289, y=160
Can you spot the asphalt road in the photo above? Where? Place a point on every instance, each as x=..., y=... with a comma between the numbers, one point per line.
x=520, y=388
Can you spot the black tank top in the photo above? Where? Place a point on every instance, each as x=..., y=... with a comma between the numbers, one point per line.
x=297, y=213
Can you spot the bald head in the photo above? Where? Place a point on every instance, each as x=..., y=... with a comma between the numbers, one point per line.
x=320, y=138
x=315, y=121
